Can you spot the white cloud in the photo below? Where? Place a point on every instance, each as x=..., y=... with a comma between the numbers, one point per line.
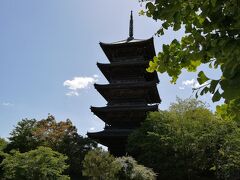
x=78, y=83
x=72, y=93
x=181, y=88
x=92, y=129
x=7, y=104
x=192, y=83
x=189, y=82
x=95, y=76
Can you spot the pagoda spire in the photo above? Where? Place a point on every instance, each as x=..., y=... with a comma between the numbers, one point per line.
x=131, y=28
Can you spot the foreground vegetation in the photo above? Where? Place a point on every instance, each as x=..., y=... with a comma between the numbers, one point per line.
x=99, y=164
x=186, y=142
x=60, y=150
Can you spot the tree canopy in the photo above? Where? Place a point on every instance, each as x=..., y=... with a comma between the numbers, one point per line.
x=212, y=37
x=41, y=163
x=131, y=170
x=3, y=144
x=188, y=142
x=60, y=136
x=100, y=165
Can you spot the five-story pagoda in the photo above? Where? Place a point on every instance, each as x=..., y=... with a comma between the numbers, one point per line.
x=131, y=92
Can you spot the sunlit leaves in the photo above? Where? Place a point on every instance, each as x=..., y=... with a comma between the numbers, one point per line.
x=230, y=111
x=212, y=36
x=41, y=163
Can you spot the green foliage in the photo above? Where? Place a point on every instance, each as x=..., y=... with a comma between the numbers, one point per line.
x=212, y=37
x=63, y=137
x=21, y=138
x=41, y=163
x=99, y=164
x=130, y=170
x=188, y=142
x=60, y=136
x=230, y=111
x=3, y=145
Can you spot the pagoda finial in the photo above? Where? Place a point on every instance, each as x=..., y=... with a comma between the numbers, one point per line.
x=131, y=28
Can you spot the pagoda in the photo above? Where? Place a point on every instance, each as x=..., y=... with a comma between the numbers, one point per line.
x=131, y=92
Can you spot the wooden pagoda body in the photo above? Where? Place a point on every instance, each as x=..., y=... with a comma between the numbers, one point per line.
x=131, y=92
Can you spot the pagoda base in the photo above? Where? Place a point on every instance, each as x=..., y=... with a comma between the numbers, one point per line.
x=114, y=139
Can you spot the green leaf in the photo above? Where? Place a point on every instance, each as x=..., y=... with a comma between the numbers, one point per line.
x=150, y=6
x=216, y=97
x=165, y=25
x=177, y=17
x=204, y=91
x=141, y=13
x=202, y=78
x=210, y=65
x=165, y=48
x=195, y=63
x=160, y=31
x=216, y=64
x=201, y=20
x=177, y=26
x=213, y=86
x=213, y=2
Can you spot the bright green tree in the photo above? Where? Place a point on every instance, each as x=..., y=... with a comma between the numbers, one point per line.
x=188, y=142
x=211, y=37
x=230, y=111
x=40, y=164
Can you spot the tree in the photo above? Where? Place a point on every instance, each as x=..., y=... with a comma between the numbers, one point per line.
x=63, y=137
x=212, y=37
x=51, y=133
x=131, y=170
x=230, y=111
x=38, y=164
x=188, y=142
x=60, y=136
x=3, y=145
x=21, y=137
x=99, y=164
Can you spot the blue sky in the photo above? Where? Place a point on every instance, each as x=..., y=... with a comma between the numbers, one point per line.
x=48, y=55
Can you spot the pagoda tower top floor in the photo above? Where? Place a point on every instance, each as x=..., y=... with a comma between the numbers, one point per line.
x=133, y=50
